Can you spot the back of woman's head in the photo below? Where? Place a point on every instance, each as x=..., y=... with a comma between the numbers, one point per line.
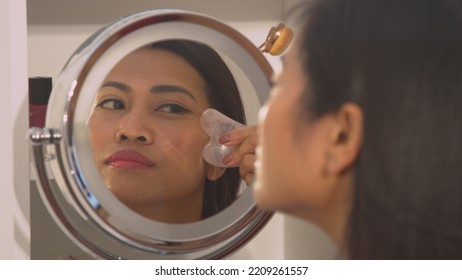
x=401, y=62
x=223, y=95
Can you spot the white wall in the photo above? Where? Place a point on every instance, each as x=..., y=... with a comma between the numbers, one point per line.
x=57, y=27
x=14, y=207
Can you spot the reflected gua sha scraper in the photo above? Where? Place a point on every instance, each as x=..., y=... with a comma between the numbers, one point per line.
x=216, y=124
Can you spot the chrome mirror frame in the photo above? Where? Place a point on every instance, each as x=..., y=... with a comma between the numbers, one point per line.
x=75, y=195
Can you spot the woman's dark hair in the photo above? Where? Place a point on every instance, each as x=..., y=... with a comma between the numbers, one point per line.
x=401, y=62
x=223, y=94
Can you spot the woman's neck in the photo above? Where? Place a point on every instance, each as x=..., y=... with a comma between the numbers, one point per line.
x=171, y=212
x=333, y=216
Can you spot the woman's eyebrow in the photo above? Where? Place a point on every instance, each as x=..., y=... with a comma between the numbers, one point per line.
x=118, y=85
x=155, y=89
x=170, y=89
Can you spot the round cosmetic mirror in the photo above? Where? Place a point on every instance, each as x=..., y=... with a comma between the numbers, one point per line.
x=75, y=192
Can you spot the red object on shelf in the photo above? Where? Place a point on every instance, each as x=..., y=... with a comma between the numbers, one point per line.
x=39, y=93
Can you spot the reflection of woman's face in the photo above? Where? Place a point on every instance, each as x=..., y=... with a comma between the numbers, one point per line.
x=146, y=136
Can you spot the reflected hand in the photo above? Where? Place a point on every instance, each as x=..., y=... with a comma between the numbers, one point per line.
x=245, y=141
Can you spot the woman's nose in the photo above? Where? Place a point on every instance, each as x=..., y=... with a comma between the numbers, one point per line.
x=134, y=130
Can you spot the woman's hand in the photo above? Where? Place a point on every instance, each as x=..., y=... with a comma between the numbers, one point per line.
x=245, y=140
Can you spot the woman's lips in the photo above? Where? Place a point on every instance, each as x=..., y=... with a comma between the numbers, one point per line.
x=129, y=160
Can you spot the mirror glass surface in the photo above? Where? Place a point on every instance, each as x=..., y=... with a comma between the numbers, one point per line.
x=146, y=136
x=131, y=97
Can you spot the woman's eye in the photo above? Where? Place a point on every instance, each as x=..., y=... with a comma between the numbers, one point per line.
x=173, y=108
x=274, y=80
x=112, y=104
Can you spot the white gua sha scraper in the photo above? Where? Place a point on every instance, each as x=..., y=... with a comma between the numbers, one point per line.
x=216, y=124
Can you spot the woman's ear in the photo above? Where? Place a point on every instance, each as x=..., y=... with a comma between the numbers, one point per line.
x=345, y=138
x=214, y=173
